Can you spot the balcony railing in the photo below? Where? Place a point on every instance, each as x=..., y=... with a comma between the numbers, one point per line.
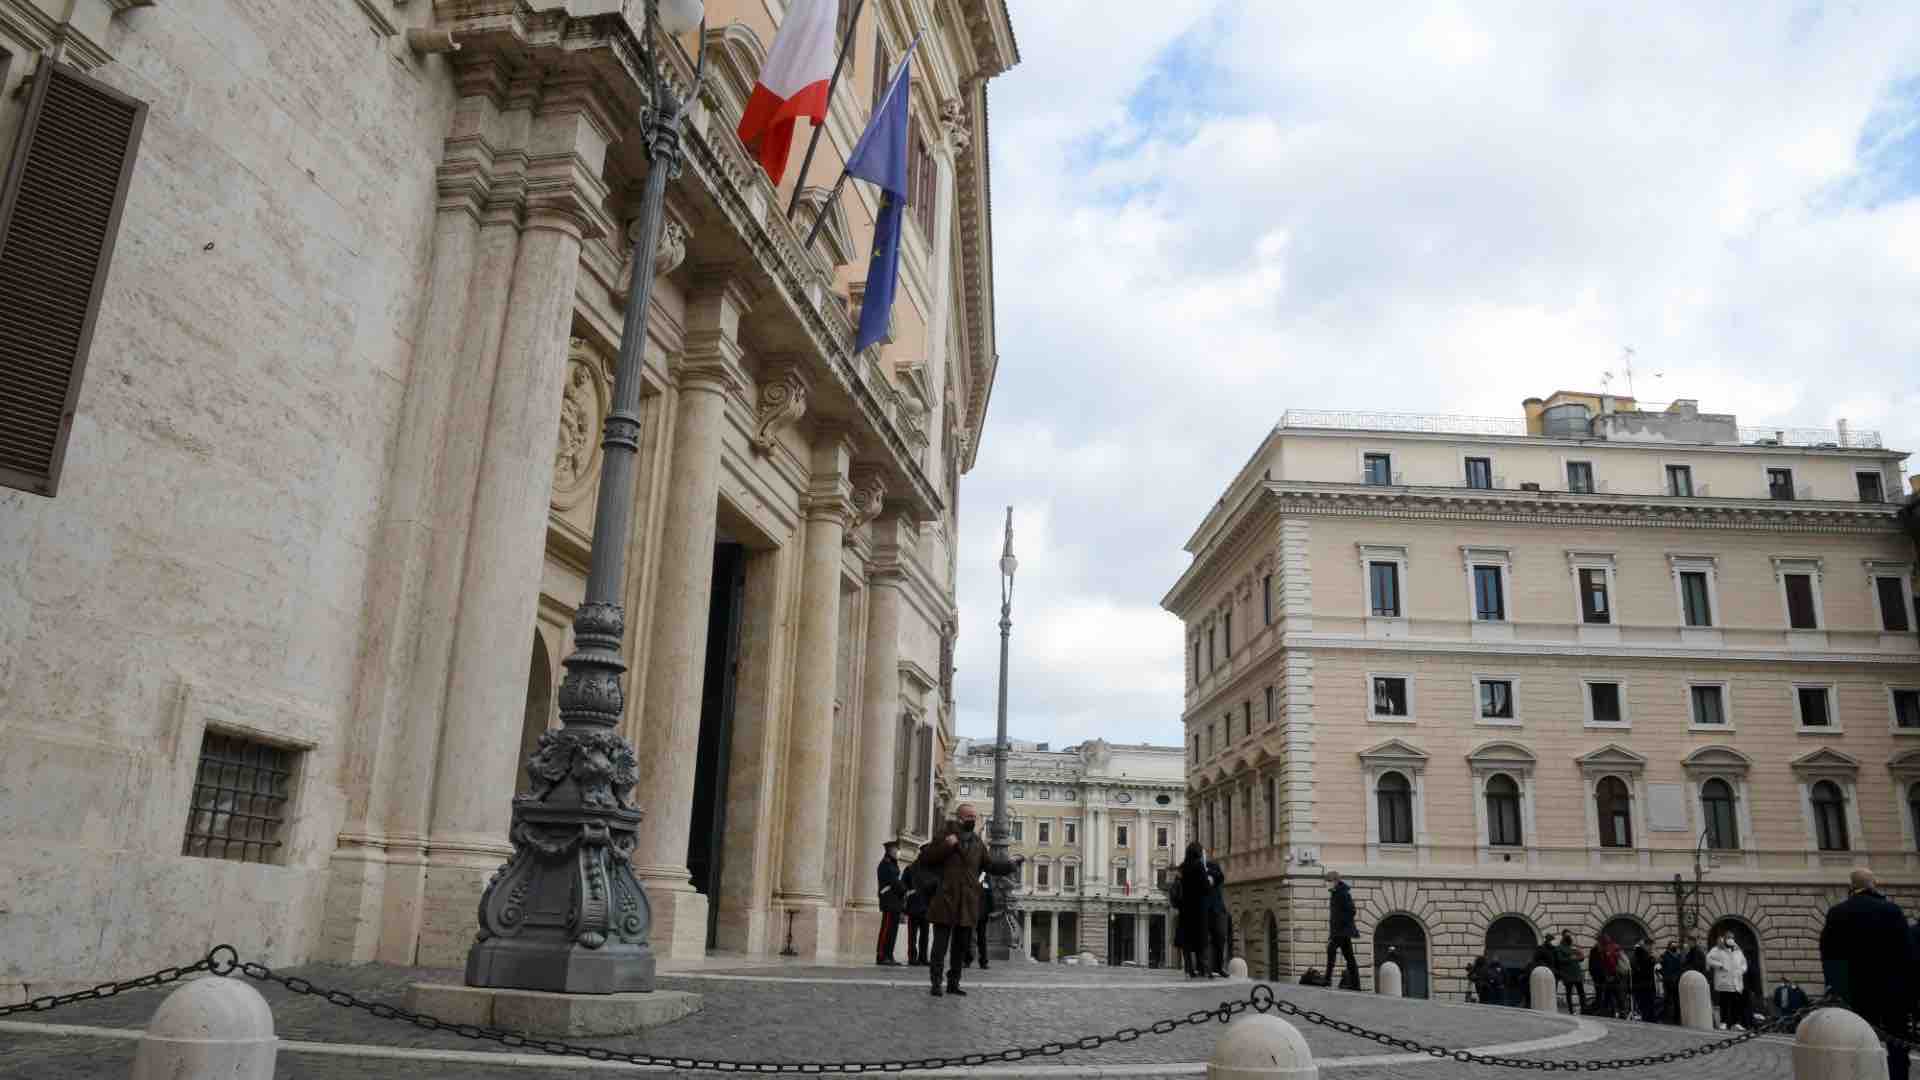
x=1803, y=436
x=1386, y=421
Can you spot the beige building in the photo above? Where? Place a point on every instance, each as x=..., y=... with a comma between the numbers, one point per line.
x=286, y=585
x=1100, y=824
x=1514, y=677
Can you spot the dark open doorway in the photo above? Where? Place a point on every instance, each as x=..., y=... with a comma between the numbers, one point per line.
x=705, y=837
x=1402, y=939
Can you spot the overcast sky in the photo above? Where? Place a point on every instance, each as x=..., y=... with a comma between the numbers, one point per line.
x=1207, y=212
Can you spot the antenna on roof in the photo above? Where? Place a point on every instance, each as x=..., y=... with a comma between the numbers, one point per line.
x=1626, y=358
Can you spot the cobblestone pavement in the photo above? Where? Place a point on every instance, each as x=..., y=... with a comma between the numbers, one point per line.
x=835, y=1014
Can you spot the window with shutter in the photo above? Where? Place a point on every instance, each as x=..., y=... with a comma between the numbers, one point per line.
x=60, y=207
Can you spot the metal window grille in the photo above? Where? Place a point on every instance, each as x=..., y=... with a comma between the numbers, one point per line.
x=239, y=800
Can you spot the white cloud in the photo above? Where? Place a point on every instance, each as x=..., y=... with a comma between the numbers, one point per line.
x=1207, y=213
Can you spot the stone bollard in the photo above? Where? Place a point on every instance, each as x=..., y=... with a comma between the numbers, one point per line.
x=1835, y=1044
x=1262, y=1047
x=1237, y=968
x=1386, y=981
x=210, y=1029
x=1696, y=1002
x=1541, y=985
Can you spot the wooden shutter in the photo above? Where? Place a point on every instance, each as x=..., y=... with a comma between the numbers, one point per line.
x=60, y=209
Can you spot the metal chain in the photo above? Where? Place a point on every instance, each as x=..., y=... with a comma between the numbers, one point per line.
x=225, y=960
x=106, y=990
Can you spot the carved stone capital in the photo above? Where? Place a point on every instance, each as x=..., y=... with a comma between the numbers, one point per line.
x=783, y=401
x=869, y=495
x=710, y=361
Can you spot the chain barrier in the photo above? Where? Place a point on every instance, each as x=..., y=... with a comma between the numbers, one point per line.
x=225, y=960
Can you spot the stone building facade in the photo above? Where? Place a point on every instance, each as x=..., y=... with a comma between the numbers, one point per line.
x=330, y=480
x=1100, y=824
x=1597, y=669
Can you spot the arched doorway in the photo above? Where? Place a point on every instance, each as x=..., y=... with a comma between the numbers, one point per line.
x=1273, y=946
x=1749, y=943
x=1402, y=939
x=1626, y=932
x=539, y=710
x=1510, y=940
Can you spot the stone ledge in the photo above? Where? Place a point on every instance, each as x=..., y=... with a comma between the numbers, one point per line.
x=538, y=1012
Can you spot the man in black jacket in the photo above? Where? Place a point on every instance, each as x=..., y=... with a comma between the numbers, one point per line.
x=1672, y=966
x=892, y=903
x=1217, y=928
x=1866, y=953
x=1341, y=930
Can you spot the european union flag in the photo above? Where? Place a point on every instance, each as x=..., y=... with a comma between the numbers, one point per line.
x=881, y=159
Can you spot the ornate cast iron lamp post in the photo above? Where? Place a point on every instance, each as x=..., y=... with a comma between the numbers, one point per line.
x=1004, y=935
x=566, y=913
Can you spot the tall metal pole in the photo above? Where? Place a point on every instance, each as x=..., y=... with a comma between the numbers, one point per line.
x=566, y=913
x=1005, y=936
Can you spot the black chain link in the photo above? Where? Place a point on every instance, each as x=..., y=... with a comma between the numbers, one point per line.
x=225, y=960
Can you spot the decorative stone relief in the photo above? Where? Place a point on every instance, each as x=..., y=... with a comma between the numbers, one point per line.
x=583, y=407
x=953, y=123
x=869, y=496
x=783, y=400
x=667, y=255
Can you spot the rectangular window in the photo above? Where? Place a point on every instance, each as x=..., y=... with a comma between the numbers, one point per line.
x=1605, y=700
x=1479, y=472
x=1593, y=597
x=1120, y=877
x=1780, y=483
x=1046, y=794
x=882, y=68
x=1384, y=584
x=1496, y=699
x=1226, y=635
x=1120, y=836
x=1695, y=601
x=966, y=789
x=1679, y=480
x=1489, y=600
x=1246, y=717
x=1196, y=747
x=1046, y=832
x=1814, y=712
x=1196, y=660
x=1073, y=833
x=1378, y=468
x=1906, y=709
x=1213, y=655
x=1069, y=875
x=1580, y=476
x=1709, y=706
x=240, y=793
x=1801, y=614
x=1273, y=819
x=1041, y=875
x=923, y=180
x=1019, y=831
x=1893, y=604
x=1270, y=717
x=1869, y=485
x=1389, y=695
x=1266, y=599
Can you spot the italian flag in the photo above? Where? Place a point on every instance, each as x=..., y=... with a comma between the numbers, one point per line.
x=793, y=83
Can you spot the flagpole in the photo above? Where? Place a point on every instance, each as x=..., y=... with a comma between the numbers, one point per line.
x=820, y=218
x=813, y=141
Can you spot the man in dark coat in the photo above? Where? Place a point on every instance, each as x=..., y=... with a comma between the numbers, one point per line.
x=987, y=909
x=1217, y=926
x=1642, y=967
x=957, y=855
x=892, y=903
x=921, y=882
x=1866, y=953
x=1341, y=929
x=1190, y=932
x=1672, y=966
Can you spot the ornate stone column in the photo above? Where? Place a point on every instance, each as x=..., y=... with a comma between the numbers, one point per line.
x=500, y=584
x=880, y=728
x=1053, y=937
x=708, y=372
x=829, y=511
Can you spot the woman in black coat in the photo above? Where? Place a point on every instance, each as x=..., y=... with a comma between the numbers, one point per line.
x=1196, y=885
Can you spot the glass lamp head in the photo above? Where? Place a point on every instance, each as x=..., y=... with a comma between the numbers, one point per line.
x=680, y=16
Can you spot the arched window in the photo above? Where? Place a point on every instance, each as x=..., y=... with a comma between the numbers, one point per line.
x=1716, y=806
x=1616, y=812
x=1830, y=816
x=1395, y=796
x=1503, y=811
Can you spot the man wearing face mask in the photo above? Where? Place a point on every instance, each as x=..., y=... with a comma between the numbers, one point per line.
x=957, y=855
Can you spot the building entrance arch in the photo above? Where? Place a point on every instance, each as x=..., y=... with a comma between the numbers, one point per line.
x=1749, y=942
x=1402, y=939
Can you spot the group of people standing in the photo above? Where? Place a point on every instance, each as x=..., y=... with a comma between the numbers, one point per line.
x=946, y=896
x=1201, y=931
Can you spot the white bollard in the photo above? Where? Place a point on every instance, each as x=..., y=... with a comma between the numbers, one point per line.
x=210, y=1029
x=1386, y=981
x=1834, y=1044
x=1696, y=1002
x=1262, y=1047
x=1237, y=968
x=1541, y=986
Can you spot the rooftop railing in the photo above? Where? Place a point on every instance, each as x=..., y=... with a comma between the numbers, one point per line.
x=1803, y=436
x=1442, y=424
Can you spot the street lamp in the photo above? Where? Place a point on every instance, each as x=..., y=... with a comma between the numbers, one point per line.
x=1005, y=936
x=1682, y=894
x=566, y=914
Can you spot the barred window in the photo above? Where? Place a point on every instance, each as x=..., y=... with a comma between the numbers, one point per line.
x=240, y=794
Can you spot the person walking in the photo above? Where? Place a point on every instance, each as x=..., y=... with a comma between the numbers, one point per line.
x=957, y=855
x=1566, y=962
x=1672, y=966
x=1642, y=966
x=1867, y=953
x=1728, y=966
x=1341, y=931
x=1218, y=939
x=1190, y=933
x=892, y=903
